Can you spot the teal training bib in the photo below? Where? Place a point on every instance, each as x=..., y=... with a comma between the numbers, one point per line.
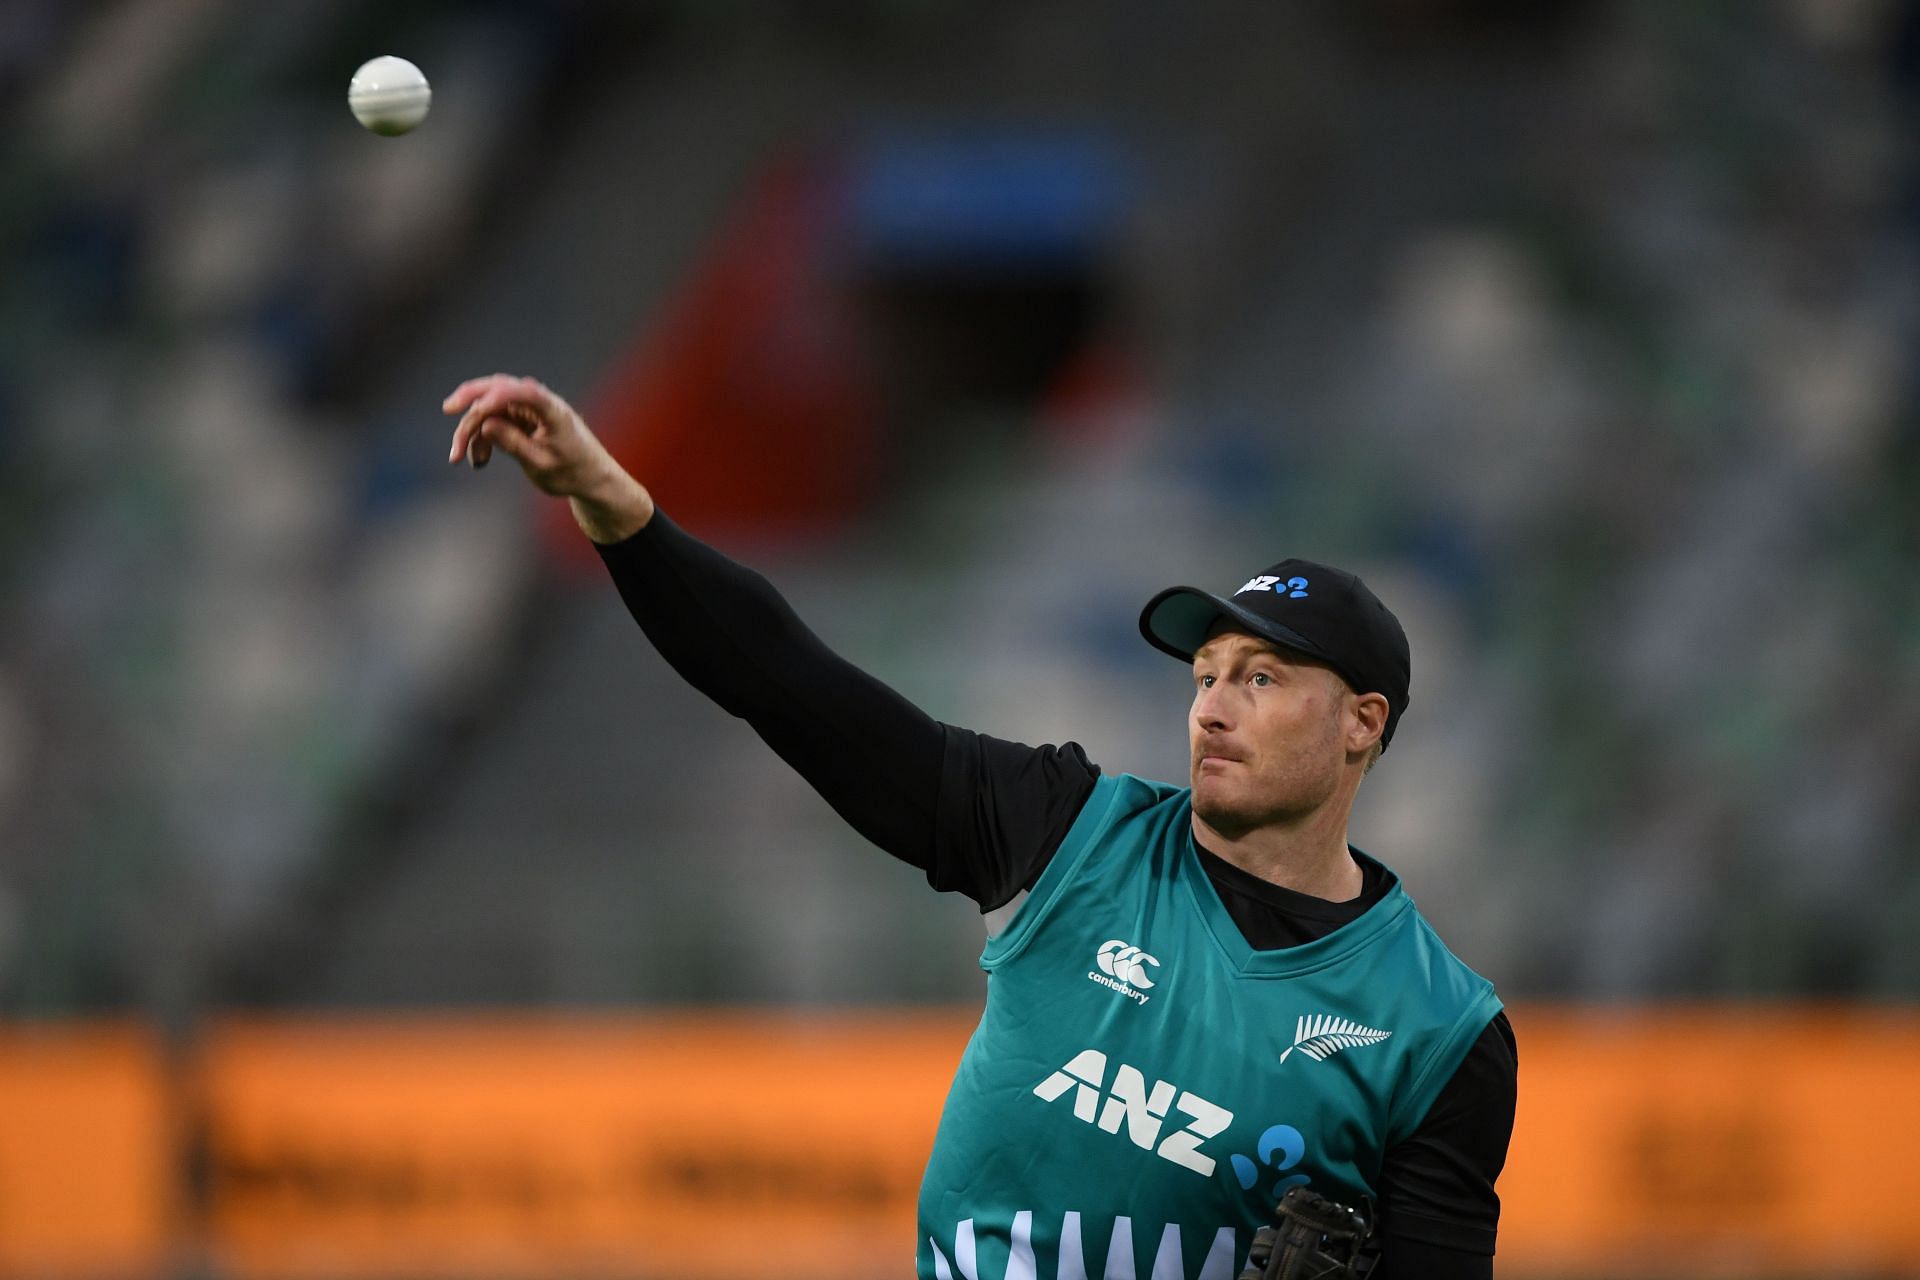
x=1143, y=1085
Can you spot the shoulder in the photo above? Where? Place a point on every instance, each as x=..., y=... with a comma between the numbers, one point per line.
x=1125, y=807
x=1444, y=973
x=1448, y=971
x=1439, y=1002
x=1457, y=994
x=1126, y=823
x=1119, y=797
x=1135, y=793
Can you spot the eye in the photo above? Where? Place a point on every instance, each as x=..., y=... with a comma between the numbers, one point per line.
x=1206, y=682
x=1261, y=679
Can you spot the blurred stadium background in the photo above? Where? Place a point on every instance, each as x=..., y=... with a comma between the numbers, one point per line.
x=361, y=868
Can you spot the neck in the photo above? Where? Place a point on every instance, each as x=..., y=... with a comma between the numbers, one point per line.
x=1308, y=856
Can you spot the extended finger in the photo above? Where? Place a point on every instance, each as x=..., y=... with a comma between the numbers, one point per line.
x=466, y=436
x=507, y=396
x=493, y=402
x=463, y=436
x=465, y=394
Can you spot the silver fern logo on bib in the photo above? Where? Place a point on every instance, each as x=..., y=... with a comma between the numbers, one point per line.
x=1321, y=1035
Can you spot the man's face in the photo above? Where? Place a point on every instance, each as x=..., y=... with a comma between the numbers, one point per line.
x=1268, y=731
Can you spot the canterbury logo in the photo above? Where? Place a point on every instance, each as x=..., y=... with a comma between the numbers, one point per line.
x=1127, y=963
x=1322, y=1035
x=1142, y=1109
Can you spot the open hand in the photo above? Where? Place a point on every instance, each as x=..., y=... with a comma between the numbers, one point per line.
x=551, y=442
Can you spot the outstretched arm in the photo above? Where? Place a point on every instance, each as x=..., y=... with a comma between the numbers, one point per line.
x=978, y=814
x=870, y=753
x=874, y=756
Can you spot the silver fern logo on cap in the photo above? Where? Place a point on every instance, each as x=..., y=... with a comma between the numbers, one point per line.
x=1322, y=1035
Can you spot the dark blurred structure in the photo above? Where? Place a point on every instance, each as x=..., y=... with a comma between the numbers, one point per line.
x=1585, y=331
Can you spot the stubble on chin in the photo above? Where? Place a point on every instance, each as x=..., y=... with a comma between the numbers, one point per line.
x=1231, y=811
x=1223, y=813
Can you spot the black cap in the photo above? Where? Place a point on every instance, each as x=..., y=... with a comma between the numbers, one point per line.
x=1325, y=613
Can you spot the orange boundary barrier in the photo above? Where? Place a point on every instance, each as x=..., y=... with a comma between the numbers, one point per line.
x=1702, y=1141
x=89, y=1170
x=668, y=1146
x=1718, y=1141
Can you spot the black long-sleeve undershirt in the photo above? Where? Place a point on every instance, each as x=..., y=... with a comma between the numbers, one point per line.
x=982, y=816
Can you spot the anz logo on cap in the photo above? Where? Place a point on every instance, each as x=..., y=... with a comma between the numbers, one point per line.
x=1292, y=588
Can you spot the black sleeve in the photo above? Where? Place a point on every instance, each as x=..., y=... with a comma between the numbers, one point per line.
x=1004, y=808
x=976, y=813
x=1439, y=1210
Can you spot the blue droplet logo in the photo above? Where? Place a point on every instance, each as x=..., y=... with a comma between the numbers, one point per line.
x=1282, y=1140
x=1296, y=588
x=1280, y=1148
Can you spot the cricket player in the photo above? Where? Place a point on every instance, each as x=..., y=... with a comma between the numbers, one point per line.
x=1206, y=996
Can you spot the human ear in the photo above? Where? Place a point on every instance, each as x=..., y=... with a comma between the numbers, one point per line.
x=1367, y=721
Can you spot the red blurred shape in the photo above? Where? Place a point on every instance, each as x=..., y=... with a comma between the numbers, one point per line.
x=1099, y=396
x=744, y=407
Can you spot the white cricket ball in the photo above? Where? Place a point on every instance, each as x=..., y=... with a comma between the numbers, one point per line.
x=389, y=95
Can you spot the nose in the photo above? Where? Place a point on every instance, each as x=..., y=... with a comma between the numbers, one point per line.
x=1210, y=708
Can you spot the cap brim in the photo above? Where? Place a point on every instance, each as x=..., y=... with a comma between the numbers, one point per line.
x=1177, y=620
